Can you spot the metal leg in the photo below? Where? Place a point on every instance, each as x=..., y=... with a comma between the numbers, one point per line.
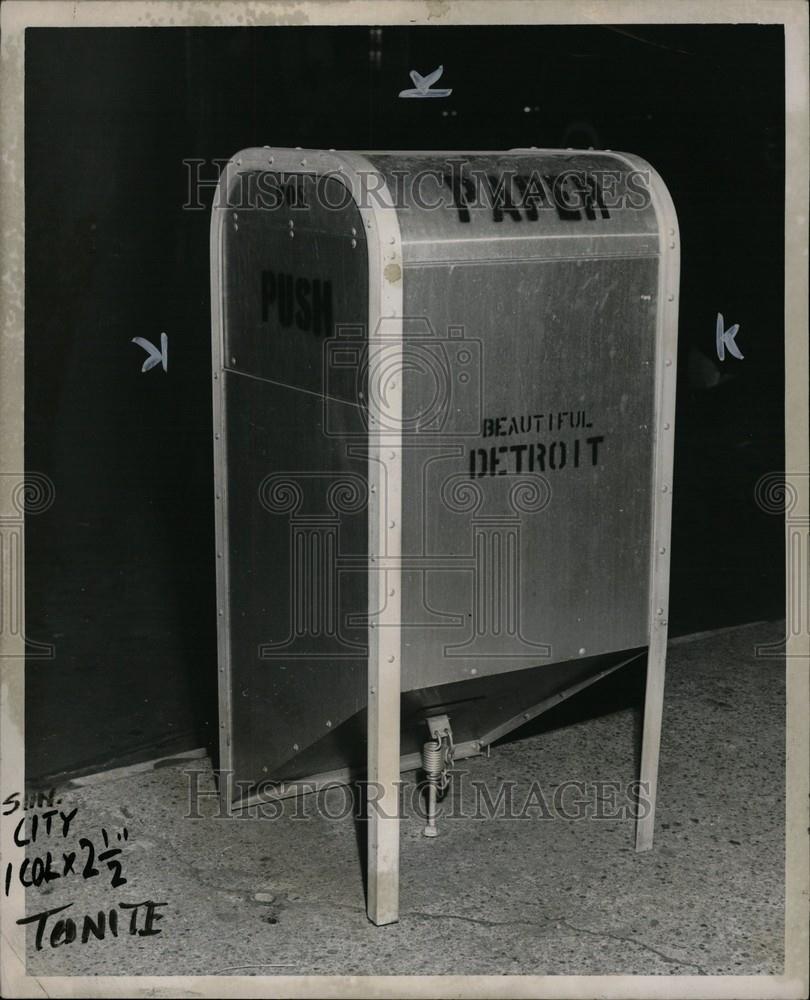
x=431, y=830
x=651, y=736
x=383, y=793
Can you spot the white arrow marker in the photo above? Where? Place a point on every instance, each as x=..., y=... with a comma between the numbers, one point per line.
x=155, y=355
x=422, y=84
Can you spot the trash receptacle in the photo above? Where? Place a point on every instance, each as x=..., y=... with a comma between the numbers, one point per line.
x=444, y=389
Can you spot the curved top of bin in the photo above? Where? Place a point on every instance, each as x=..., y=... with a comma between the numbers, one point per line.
x=453, y=205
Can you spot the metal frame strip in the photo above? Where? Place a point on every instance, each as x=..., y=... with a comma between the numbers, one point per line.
x=221, y=485
x=385, y=279
x=666, y=363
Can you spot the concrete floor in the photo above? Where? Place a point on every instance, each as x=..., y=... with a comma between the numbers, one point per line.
x=504, y=895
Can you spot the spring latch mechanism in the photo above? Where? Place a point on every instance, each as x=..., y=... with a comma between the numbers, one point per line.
x=437, y=760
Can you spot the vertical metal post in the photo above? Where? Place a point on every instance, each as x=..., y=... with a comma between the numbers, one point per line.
x=219, y=410
x=384, y=686
x=383, y=788
x=651, y=737
x=666, y=358
x=385, y=432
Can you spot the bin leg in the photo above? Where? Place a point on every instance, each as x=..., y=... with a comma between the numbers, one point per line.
x=651, y=735
x=383, y=796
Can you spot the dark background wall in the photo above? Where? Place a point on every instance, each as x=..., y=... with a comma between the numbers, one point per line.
x=120, y=575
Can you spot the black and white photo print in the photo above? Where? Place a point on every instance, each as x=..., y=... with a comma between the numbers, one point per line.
x=404, y=499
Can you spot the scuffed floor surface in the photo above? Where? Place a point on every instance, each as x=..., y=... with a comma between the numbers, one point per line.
x=542, y=891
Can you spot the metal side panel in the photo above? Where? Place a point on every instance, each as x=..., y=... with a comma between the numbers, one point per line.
x=297, y=529
x=292, y=469
x=307, y=292
x=529, y=489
